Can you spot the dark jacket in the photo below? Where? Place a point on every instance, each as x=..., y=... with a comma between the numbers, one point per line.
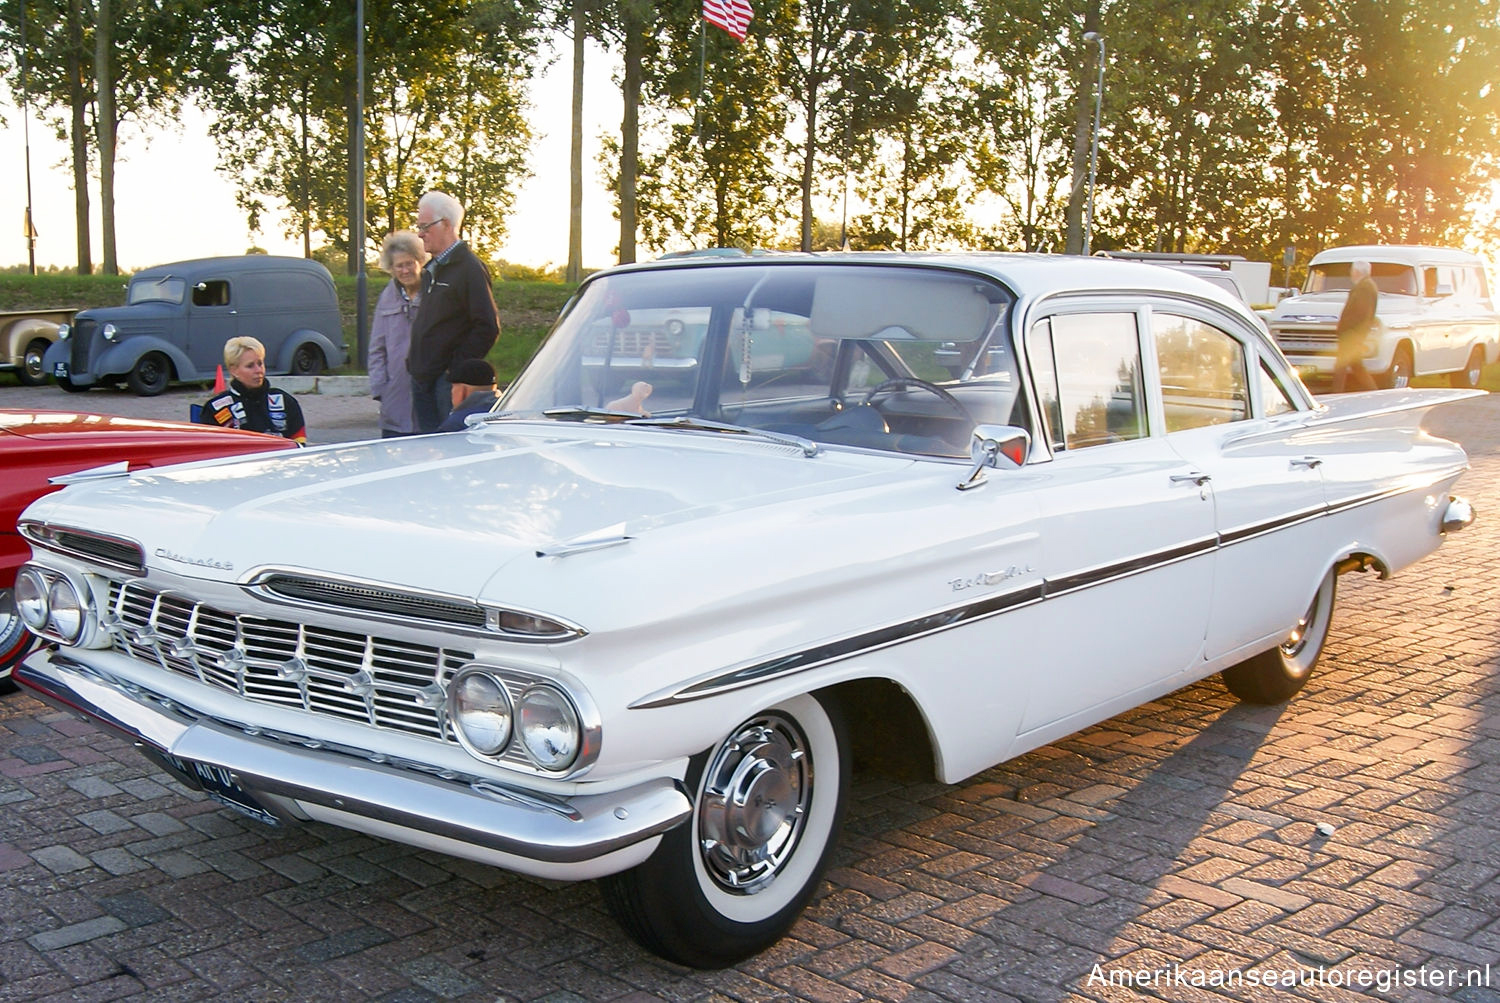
x=477, y=402
x=264, y=409
x=457, y=318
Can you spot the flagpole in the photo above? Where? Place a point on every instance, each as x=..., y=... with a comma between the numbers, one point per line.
x=702, y=62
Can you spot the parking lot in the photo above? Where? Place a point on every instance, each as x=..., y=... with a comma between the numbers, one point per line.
x=1344, y=845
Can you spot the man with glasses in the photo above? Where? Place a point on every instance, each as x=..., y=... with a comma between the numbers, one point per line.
x=456, y=320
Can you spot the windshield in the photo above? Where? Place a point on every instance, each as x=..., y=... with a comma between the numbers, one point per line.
x=876, y=356
x=1399, y=280
x=166, y=289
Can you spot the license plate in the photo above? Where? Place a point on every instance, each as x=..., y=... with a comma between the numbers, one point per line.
x=219, y=784
x=60, y=370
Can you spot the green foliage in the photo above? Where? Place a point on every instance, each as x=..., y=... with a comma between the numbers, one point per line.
x=444, y=109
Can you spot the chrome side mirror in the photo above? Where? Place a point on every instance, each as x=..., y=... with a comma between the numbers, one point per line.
x=1003, y=446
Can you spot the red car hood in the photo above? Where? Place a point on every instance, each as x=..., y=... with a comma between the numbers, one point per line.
x=36, y=445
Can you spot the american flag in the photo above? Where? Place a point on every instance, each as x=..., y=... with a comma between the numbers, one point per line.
x=731, y=15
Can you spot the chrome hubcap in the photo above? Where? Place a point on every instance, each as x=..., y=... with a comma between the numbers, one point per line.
x=755, y=798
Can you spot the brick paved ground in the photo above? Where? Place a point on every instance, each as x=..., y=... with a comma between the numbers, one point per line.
x=1181, y=833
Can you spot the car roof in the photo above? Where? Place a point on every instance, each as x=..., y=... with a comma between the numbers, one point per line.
x=238, y=263
x=1406, y=254
x=1030, y=275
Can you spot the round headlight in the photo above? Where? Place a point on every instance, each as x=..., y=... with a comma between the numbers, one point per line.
x=31, y=600
x=67, y=610
x=480, y=709
x=549, y=728
x=111, y=332
x=63, y=331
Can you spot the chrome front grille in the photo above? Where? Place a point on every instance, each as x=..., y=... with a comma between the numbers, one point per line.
x=80, y=339
x=634, y=343
x=378, y=681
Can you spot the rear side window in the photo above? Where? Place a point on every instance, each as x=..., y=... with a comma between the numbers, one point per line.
x=1087, y=367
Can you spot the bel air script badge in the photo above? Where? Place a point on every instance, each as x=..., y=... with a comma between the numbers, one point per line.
x=988, y=578
x=199, y=562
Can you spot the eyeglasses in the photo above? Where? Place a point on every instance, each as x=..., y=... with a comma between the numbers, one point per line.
x=422, y=228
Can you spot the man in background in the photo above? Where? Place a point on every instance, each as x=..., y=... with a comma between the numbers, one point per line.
x=457, y=320
x=1353, y=331
x=473, y=382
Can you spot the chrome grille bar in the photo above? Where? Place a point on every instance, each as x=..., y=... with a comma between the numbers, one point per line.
x=381, y=682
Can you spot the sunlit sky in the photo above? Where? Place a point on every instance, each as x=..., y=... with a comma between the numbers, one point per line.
x=171, y=203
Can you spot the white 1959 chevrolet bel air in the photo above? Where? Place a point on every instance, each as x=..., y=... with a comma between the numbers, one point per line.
x=634, y=623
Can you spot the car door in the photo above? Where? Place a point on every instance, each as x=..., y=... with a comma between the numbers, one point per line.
x=1227, y=414
x=211, y=321
x=1127, y=528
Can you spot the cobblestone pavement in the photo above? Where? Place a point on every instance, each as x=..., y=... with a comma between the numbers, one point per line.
x=1182, y=833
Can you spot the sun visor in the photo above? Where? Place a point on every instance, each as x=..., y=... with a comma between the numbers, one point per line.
x=890, y=307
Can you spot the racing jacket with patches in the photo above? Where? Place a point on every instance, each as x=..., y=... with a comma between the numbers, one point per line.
x=262, y=409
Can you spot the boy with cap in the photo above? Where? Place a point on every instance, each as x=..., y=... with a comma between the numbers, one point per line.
x=473, y=392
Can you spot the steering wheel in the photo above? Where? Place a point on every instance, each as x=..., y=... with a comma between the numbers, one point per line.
x=903, y=382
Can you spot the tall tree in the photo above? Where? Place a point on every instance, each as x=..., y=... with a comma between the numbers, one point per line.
x=711, y=107
x=445, y=110
x=914, y=180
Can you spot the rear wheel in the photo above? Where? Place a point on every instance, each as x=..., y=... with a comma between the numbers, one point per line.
x=1400, y=374
x=768, y=803
x=1469, y=375
x=33, y=373
x=308, y=360
x=150, y=375
x=1274, y=676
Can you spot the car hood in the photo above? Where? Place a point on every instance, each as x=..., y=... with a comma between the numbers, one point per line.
x=147, y=313
x=450, y=513
x=1324, y=308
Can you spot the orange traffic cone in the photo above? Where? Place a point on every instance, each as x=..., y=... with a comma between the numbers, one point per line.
x=219, y=380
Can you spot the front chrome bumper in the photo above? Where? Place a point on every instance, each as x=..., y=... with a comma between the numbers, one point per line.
x=577, y=837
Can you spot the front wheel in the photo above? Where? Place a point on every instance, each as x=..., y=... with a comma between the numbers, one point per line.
x=33, y=373
x=1274, y=676
x=16, y=641
x=150, y=375
x=768, y=802
x=67, y=384
x=1399, y=375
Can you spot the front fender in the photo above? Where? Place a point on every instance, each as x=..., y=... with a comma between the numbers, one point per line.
x=22, y=333
x=121, y=358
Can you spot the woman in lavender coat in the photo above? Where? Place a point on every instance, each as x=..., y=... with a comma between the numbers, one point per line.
x=390, y=334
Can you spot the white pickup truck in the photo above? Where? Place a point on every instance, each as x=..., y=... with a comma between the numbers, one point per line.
x=25, y=336
x=1435, y=315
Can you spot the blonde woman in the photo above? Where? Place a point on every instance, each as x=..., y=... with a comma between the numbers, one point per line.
x=402, y=255
x=250, y=402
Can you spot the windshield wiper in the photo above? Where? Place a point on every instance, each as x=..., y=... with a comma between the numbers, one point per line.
x=808, y=447
x=581, y=413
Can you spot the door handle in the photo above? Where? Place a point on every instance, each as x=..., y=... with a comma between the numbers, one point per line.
x=1307, y=462
x=1197, y=477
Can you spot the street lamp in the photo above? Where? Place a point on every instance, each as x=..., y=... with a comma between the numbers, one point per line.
x=1088, y=219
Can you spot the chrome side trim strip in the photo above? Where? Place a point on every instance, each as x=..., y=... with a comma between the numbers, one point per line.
x=1051, y=588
